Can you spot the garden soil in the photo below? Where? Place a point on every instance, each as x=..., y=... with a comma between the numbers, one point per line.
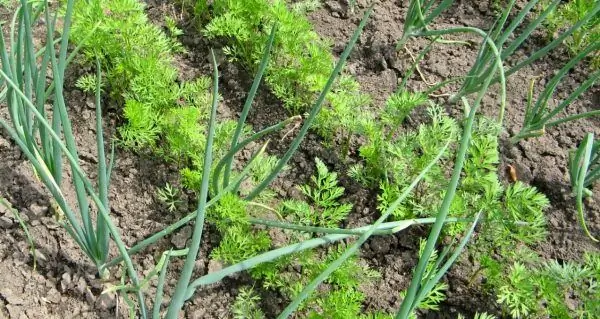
x=63, y=284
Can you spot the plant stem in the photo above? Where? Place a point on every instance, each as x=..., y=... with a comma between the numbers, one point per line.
x=178, y=297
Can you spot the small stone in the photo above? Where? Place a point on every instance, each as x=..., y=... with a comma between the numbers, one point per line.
x=89, y=296
x=106, y=301
x=10, y=297
x=334, y=6
x=66, y=282
x=40, y=257
x=81, y=285
x=38, y=210
x=6, y=222
x=199, y=265
x=181, y=237
x=53, y=296
x=214, y=266
x=15, y=311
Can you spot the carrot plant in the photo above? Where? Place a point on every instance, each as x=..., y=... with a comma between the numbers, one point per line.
x=303, y=60
x=532, y=288
x=569, y=13
x=344, y=296
x=135, y=55
x=161, y=115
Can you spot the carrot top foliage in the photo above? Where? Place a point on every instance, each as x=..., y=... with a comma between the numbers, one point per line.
x=302, y=60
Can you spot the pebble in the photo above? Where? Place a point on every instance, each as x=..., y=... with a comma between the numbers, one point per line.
x=6, y=222
x=41, y=258
x=106, y=301
x=334, y=7
x=81, y=285
x=179, y=239
x=10, y=296
x=214, y=266
x=53, y=296
x=66, y=282
x=89, y=296
x=38, y=210
x=15, y=312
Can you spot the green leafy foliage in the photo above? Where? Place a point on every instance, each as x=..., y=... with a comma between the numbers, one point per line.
x=345, y=100
x=169, y=196
x=397, y=157
x=174, y=32
x=302, y=59
x=260, y=168
x=550, y=289
x=246, y=305
x=324, y=194
x=87, y=83
x=525, y=204
x=136, y=55
x=161, y=115
x=239, y=240
x=393, y=159
x=436, y=295
x=342, y=296
x=566, y=15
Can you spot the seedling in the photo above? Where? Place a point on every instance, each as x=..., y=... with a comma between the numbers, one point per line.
x=87, y=83
x=169, y=196
x=324, y=193
x=246, y=305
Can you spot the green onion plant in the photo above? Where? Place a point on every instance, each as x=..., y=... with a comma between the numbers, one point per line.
x=540, y=116
x=420, y=14
x=584, y=170
x=46, y=138
x=492, y=57
x=500, y=35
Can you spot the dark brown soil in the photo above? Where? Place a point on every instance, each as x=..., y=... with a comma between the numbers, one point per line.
x=63, y=285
